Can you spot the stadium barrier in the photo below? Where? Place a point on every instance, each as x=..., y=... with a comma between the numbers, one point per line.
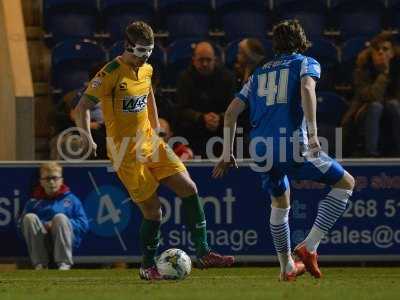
x=237, y=213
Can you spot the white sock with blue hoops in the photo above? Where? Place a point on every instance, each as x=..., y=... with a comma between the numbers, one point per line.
x=329, y=211
x=279, y=225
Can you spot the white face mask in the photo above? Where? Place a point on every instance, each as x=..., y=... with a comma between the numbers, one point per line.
x=140, y=51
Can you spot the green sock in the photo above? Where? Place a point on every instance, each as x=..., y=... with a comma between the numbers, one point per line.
x=149, y=234
x=193, y=217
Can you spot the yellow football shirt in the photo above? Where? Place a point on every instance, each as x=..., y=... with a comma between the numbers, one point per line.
x=123, y=99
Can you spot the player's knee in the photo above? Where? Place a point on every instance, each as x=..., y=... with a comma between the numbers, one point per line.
x=59, y=218
x=29, y=218
x=154, y=214
x=188, y=189
x=191, y=187
x=347, y=182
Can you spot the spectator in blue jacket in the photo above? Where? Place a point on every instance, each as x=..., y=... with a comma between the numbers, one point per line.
x=53, y=221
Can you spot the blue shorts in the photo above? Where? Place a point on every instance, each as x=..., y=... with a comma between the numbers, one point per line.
x=323, y=169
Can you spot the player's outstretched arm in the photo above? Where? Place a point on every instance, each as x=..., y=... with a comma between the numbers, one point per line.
x=309, y=105
x=82, y=120
x=230, y=119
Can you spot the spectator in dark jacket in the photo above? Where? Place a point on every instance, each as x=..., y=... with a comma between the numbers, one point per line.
x=203, y=93
x=53, y=221
x=376, y=87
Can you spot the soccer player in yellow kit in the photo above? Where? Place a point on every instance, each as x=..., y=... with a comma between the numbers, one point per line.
x=123, y=87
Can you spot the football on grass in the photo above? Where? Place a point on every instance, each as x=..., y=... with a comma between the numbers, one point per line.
x=174, y=264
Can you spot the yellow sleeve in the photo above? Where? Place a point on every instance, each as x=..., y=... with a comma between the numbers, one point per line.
x=102, y=85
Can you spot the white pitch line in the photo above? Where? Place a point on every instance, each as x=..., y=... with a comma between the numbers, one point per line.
x=94, y=183
x=120, y=238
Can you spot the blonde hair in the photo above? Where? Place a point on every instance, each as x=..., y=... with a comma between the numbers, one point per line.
x=50, y=166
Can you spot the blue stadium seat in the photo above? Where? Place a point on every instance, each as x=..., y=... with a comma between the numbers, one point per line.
x=312, y=14
x=119, y=13
x=352, y=47
x=335, y=3
x=70, y=19
x=157, y=58
x=323, y=51
x=358, y=17
x=391, y=3
x=233, y=47
x=350, y=51
x=186, y=18
x=330, y=108
x=327, y=55
x=72, y=61
x=394, y=16
x=243, y=18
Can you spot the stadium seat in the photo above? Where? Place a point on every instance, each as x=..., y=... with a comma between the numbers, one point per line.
x=350, y=51
x=311, y=14
x=119, y=13
x=327, y=55
x=330, y=108
x=186, y=18
x=232, y=50
x=323, y=51
x=358, y=17
x=391, y=3
x=394, y=16
x=157, y=58
x=72, y=61
x=243, y=18
x=352, y=47
x=70, y=19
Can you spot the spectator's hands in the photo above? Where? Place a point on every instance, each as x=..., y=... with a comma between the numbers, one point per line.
x=223, y=166
x=211, y=121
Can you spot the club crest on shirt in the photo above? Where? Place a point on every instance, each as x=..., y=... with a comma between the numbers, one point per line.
x=134, y=103
x=123, y=86
x=96, y=82
x=67, y=203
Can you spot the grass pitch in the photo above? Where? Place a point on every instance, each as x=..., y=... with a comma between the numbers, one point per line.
x=219, y=284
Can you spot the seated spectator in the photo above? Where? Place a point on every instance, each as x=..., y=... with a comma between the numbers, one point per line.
x=376, y=87
x=251, y=54
x=180, y=149
x=53, y=221
x=97, y=126
x=65, y=118
x=204, y=91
